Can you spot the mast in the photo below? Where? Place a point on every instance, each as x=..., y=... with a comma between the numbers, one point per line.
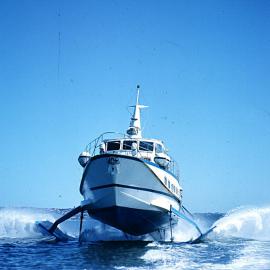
x=134, y=129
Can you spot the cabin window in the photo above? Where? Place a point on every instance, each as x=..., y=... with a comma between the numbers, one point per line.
x=169, y=184
x=127, y=145
x=159, y=148
x=146, y=146
x=165, y=180
x=114, y=145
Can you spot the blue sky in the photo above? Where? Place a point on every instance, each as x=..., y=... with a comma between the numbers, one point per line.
x=203, y=67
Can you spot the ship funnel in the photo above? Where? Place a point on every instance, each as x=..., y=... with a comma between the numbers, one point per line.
x=134, y=129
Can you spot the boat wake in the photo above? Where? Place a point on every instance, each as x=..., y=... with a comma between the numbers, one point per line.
x=243, y=222
x=20, y=222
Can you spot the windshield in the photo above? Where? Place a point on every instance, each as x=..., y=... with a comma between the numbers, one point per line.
x=159, y=148
x=146, y=146
x=114, y=145
x=127, y=145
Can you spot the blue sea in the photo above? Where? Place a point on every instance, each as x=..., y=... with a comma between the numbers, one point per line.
x=240, y=240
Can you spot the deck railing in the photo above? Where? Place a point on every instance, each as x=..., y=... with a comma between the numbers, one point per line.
x=94, y=149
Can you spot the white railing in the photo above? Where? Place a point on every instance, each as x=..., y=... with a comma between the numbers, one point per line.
x=94, y=146
x=94, y=149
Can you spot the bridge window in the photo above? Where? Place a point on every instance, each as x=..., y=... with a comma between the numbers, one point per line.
x=146, y=146
x=127, y=144
x=159, y=148
x=114, y=145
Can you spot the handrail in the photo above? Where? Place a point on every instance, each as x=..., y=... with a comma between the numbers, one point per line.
x=93, y=146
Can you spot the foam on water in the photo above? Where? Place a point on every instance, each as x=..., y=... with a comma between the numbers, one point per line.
x=251, y=257
x=222, y=251
x=182, y=232
x=20, y=223
x=245, y=222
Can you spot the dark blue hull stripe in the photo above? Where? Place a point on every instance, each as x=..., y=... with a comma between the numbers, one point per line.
x=155, y=165
x=137, y=188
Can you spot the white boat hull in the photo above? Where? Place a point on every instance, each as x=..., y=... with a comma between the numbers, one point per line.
x=127, y=194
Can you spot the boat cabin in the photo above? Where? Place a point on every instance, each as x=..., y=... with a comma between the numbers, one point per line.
x=147, y=149
x=132, y=144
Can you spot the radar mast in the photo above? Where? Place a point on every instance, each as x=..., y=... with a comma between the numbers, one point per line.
x=134, y=130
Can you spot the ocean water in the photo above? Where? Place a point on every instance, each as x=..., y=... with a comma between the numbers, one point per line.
x=240, y=240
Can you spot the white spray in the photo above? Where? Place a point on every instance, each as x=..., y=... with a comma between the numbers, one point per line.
x=20, y=223
x=245, y=222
